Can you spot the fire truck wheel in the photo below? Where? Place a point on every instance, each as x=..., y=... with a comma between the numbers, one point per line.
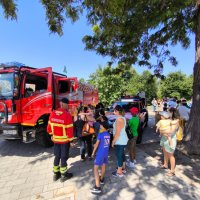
x=43, y=138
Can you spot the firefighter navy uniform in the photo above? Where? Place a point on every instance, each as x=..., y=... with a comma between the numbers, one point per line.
x=60, y=126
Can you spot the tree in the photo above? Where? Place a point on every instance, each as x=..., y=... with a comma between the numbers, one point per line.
x=109, y=84
x=148, y=85
x=178, y=85
x=134, y=84
x=134, y=32
x=10, y=9
x=82, y=80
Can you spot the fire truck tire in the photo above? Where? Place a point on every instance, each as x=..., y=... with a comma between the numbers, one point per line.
x=43, y=138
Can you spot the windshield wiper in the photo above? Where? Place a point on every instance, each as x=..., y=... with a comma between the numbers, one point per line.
x=5, y=98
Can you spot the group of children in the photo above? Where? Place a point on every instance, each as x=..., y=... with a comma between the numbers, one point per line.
x=101, y=149
x=165, y=127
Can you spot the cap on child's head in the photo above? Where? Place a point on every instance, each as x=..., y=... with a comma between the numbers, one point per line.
x=134, y=110
x=165, y=114
x=105, y=124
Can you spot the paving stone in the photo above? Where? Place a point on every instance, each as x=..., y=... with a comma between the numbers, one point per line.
x=5, y=190
x=43, y=196
x=22, y=187
x=53, y=186
x=10, y=196
x=15, y=182
x=2, y=183
x=31, y=177
x=25, y=198
x=25, y=193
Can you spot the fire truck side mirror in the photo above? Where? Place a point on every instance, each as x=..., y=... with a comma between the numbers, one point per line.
x=72, y=85
x=15, y=92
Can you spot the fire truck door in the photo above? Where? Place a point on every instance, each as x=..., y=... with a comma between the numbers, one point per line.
x=67, y=87
x=37, y=98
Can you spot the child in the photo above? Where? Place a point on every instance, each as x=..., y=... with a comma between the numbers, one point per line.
x=89, y=118
x=165, y=125
x=134, y=124
x=101, y=146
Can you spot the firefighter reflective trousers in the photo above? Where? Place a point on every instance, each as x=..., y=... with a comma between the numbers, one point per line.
x=61, y=153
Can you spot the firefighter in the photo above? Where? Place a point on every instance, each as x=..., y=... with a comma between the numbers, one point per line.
x=60, y=126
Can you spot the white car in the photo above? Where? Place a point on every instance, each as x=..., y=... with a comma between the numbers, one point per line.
x=127, y=104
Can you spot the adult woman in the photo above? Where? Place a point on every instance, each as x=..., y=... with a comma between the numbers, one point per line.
x=168, y=150
x=120, y=140
x=84, y=115
x=154, y=104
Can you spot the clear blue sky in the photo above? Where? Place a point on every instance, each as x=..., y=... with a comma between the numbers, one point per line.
x=28, y=40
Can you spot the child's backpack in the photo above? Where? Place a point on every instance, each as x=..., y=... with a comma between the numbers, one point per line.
x=78, y=127
x=128, y=132
x=179, y=134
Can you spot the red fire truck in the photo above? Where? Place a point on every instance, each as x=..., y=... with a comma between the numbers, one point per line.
x=27, y=97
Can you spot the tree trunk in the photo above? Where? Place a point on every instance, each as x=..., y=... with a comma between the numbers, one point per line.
x=193, y=127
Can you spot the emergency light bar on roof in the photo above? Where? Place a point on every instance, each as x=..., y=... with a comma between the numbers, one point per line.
x=11, y=64
x=127, y=100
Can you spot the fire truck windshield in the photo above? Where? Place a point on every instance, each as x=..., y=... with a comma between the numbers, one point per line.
x=6, y=85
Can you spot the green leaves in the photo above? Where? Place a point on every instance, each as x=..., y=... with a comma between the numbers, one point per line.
x=122, y=80
x=177, y=85
x=10, y=8
x=58, y=11
x=129, y=32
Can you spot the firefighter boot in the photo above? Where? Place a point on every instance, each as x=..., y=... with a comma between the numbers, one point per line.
x=56, y=176
x=65, y=176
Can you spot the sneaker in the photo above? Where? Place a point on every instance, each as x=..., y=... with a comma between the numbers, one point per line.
x=65, y=176
x=115, y=174
x=130, y=164
x=56, y=176
x=90, y=158
x=134, y=161
x=83, y=159
x=96, y=190
x=102, y=181
x=123, y=170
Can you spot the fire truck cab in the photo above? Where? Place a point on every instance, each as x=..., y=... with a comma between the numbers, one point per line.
x=27, y=97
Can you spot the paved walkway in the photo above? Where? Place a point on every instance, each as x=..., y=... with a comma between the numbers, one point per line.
x=26, y=174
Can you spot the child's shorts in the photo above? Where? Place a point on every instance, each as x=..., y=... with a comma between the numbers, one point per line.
x=100, y=160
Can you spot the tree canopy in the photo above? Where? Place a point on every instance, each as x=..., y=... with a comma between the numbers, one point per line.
x=112, y=84
x=127, y=31
x=177, y=85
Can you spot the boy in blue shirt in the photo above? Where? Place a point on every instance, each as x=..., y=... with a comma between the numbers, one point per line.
x=102, y=147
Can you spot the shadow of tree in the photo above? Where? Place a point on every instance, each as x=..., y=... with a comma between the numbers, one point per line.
x=146, y=181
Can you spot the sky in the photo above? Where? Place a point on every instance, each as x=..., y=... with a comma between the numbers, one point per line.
x=29, y=41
